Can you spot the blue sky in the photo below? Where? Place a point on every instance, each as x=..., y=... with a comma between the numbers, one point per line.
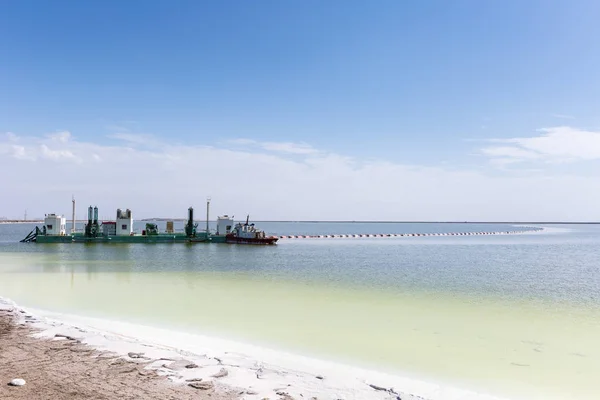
x=421, y=84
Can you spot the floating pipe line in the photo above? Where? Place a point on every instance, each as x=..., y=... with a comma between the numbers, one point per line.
x=388, y=235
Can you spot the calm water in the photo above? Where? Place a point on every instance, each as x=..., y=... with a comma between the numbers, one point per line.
x=513, y=315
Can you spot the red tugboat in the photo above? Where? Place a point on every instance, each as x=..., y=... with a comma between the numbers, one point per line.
x=248, y=234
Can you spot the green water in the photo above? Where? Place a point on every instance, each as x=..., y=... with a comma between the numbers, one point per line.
x=518, y=338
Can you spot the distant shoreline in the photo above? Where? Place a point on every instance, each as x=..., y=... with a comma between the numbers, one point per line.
x=8, y=221
x=18, y=221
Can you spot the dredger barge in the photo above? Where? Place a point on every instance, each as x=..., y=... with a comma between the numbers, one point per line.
x=121, y=231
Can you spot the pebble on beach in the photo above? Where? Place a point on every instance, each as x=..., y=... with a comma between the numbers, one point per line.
x=201, y=385
x=17, y=382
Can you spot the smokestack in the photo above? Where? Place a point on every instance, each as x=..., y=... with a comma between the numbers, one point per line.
x=95, y=215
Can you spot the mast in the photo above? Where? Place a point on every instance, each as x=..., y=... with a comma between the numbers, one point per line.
x=73, y=219
x=207, y=216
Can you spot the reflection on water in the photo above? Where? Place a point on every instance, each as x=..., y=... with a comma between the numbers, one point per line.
x=514, y=315
x=510, y=347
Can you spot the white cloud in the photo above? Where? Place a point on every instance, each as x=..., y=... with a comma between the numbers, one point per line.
x=61, y=137
x=509, y=152
x=277, y=147
x=58, y=155
x=19, y=152
x=136, y=139
x=563, y=116
x=166, y=179
x=242, y=142
x=288, y=147
x=553, y=145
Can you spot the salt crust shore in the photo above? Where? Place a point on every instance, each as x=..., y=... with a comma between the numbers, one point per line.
x=61, y=368
x=249, y=372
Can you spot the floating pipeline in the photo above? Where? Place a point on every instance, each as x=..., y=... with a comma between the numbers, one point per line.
x=390, y=235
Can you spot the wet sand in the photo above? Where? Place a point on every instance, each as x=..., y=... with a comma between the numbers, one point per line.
x=63, y=368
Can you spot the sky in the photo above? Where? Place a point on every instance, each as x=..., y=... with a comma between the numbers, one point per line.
x=302, y=110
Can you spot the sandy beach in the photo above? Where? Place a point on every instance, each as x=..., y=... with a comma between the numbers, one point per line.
x=63, y=368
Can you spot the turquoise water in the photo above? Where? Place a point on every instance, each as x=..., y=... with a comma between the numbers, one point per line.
x=512, y=315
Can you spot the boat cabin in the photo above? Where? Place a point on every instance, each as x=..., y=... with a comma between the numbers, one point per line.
x=55, y=224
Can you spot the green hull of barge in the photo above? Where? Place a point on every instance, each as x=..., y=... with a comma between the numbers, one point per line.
x=54, y=239
x=200, y=237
